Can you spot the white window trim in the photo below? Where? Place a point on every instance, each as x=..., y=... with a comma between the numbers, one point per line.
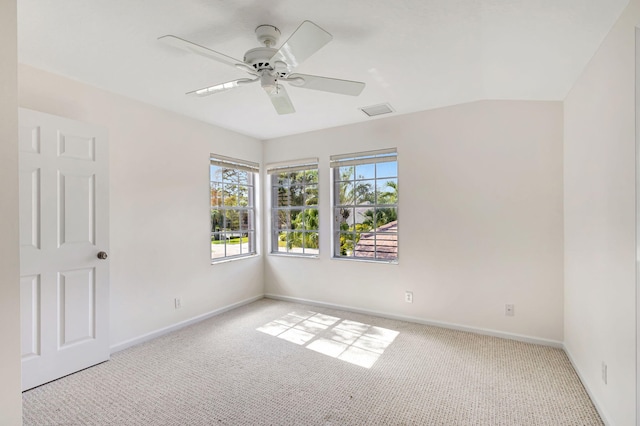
x=251, y=167
x=354, y=159
x=280, y=167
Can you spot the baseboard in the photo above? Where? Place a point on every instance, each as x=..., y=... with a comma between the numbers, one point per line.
x=603, y=414
x=152, y=335
x=477, y=330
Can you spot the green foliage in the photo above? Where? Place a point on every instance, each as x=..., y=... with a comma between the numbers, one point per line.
x=305, y=226
x=298, y=190
x=377, y=218
x=348, y=240
x=362, y=193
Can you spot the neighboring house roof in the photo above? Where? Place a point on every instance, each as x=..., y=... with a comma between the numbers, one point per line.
x=380, y=244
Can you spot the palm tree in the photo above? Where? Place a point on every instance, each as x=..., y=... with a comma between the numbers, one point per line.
x=391, y=196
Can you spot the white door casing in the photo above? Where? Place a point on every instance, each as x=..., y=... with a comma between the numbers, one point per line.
x=64, y=224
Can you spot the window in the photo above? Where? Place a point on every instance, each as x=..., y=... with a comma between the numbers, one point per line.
x=365, y=203
x=233, y=216
x=294, y=208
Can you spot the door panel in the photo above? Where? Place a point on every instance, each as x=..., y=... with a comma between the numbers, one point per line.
x=30, y=208
x=77, y=306
x=64, y=223
x=76, y=203
x=30, y=315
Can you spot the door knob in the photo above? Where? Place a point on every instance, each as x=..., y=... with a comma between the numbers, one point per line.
x=102, y=255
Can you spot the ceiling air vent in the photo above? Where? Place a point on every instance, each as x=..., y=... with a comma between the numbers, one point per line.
x=374, y=110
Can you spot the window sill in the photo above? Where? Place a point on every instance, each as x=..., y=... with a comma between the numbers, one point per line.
x=365, y=260
x=298, y=256
x=233, y=259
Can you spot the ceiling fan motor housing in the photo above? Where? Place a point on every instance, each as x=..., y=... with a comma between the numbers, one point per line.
x=260, y=59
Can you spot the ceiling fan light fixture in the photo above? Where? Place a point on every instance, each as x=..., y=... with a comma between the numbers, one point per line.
x=269, y=82
x=379, y=109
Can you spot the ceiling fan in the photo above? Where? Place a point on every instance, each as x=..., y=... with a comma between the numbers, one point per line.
x=270, y=66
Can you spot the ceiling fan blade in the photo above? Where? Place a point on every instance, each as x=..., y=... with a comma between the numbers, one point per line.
x=188, y=46
x=303, y=43
x=223, y=87
x=325, y=84
x=280, y=100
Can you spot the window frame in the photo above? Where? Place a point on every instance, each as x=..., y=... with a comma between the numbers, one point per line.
x=276, y=206
x=249, y=210
x=355, y=207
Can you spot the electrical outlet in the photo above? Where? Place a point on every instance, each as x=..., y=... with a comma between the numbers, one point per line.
x=509, y=310
x=408, y=296
x=604, y=372
x=178, y=303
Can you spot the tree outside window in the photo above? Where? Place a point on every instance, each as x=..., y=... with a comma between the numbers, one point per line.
x=294, y=209
x=233, y=219
x=366, y=205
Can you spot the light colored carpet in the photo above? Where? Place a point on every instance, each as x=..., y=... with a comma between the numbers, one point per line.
x=280, y=363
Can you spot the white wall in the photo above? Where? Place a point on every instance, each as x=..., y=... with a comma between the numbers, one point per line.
x=10, y=396
x=599, y=154
x=480, y=219
x=159, y=192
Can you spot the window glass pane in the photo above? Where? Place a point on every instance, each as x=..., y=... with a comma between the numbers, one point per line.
x=311, y=177
x=360, y=216
x=387, y=169
x=229, y=194
x=387, y=245
x=282, y=219
x=284, y=179
x=344, y=217
x=281, y=246
x=387, y=191
x=365, y=245
x=230, y=175
x=365, y=171
x=232, y=220
x=243, y=195
x=310, y=243
x=243, y=177
x=218, y=248
x=217, y=220
x=346, y=173
x=297, y=242
x=297, y=177
x=216, y=194
x=296, y=195
x=244, y=220
x=344, y=193
x=310, y=219
x=365, y=206
x=347, y=242
x=281, y=196
x=365, y=192
x=296, y=219
x=215, y=173
x=311, y=195
x=236, y=244
x=291, y=193
x=290, y=241
x=232, y=213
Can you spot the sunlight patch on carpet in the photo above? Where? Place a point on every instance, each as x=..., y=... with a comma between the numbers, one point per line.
x=350, y=341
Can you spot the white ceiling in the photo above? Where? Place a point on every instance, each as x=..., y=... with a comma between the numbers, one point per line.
x=414, y=54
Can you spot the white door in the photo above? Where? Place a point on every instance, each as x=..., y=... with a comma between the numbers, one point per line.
x=64, y=225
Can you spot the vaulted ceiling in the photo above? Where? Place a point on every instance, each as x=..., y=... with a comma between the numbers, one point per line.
x=413, y=54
